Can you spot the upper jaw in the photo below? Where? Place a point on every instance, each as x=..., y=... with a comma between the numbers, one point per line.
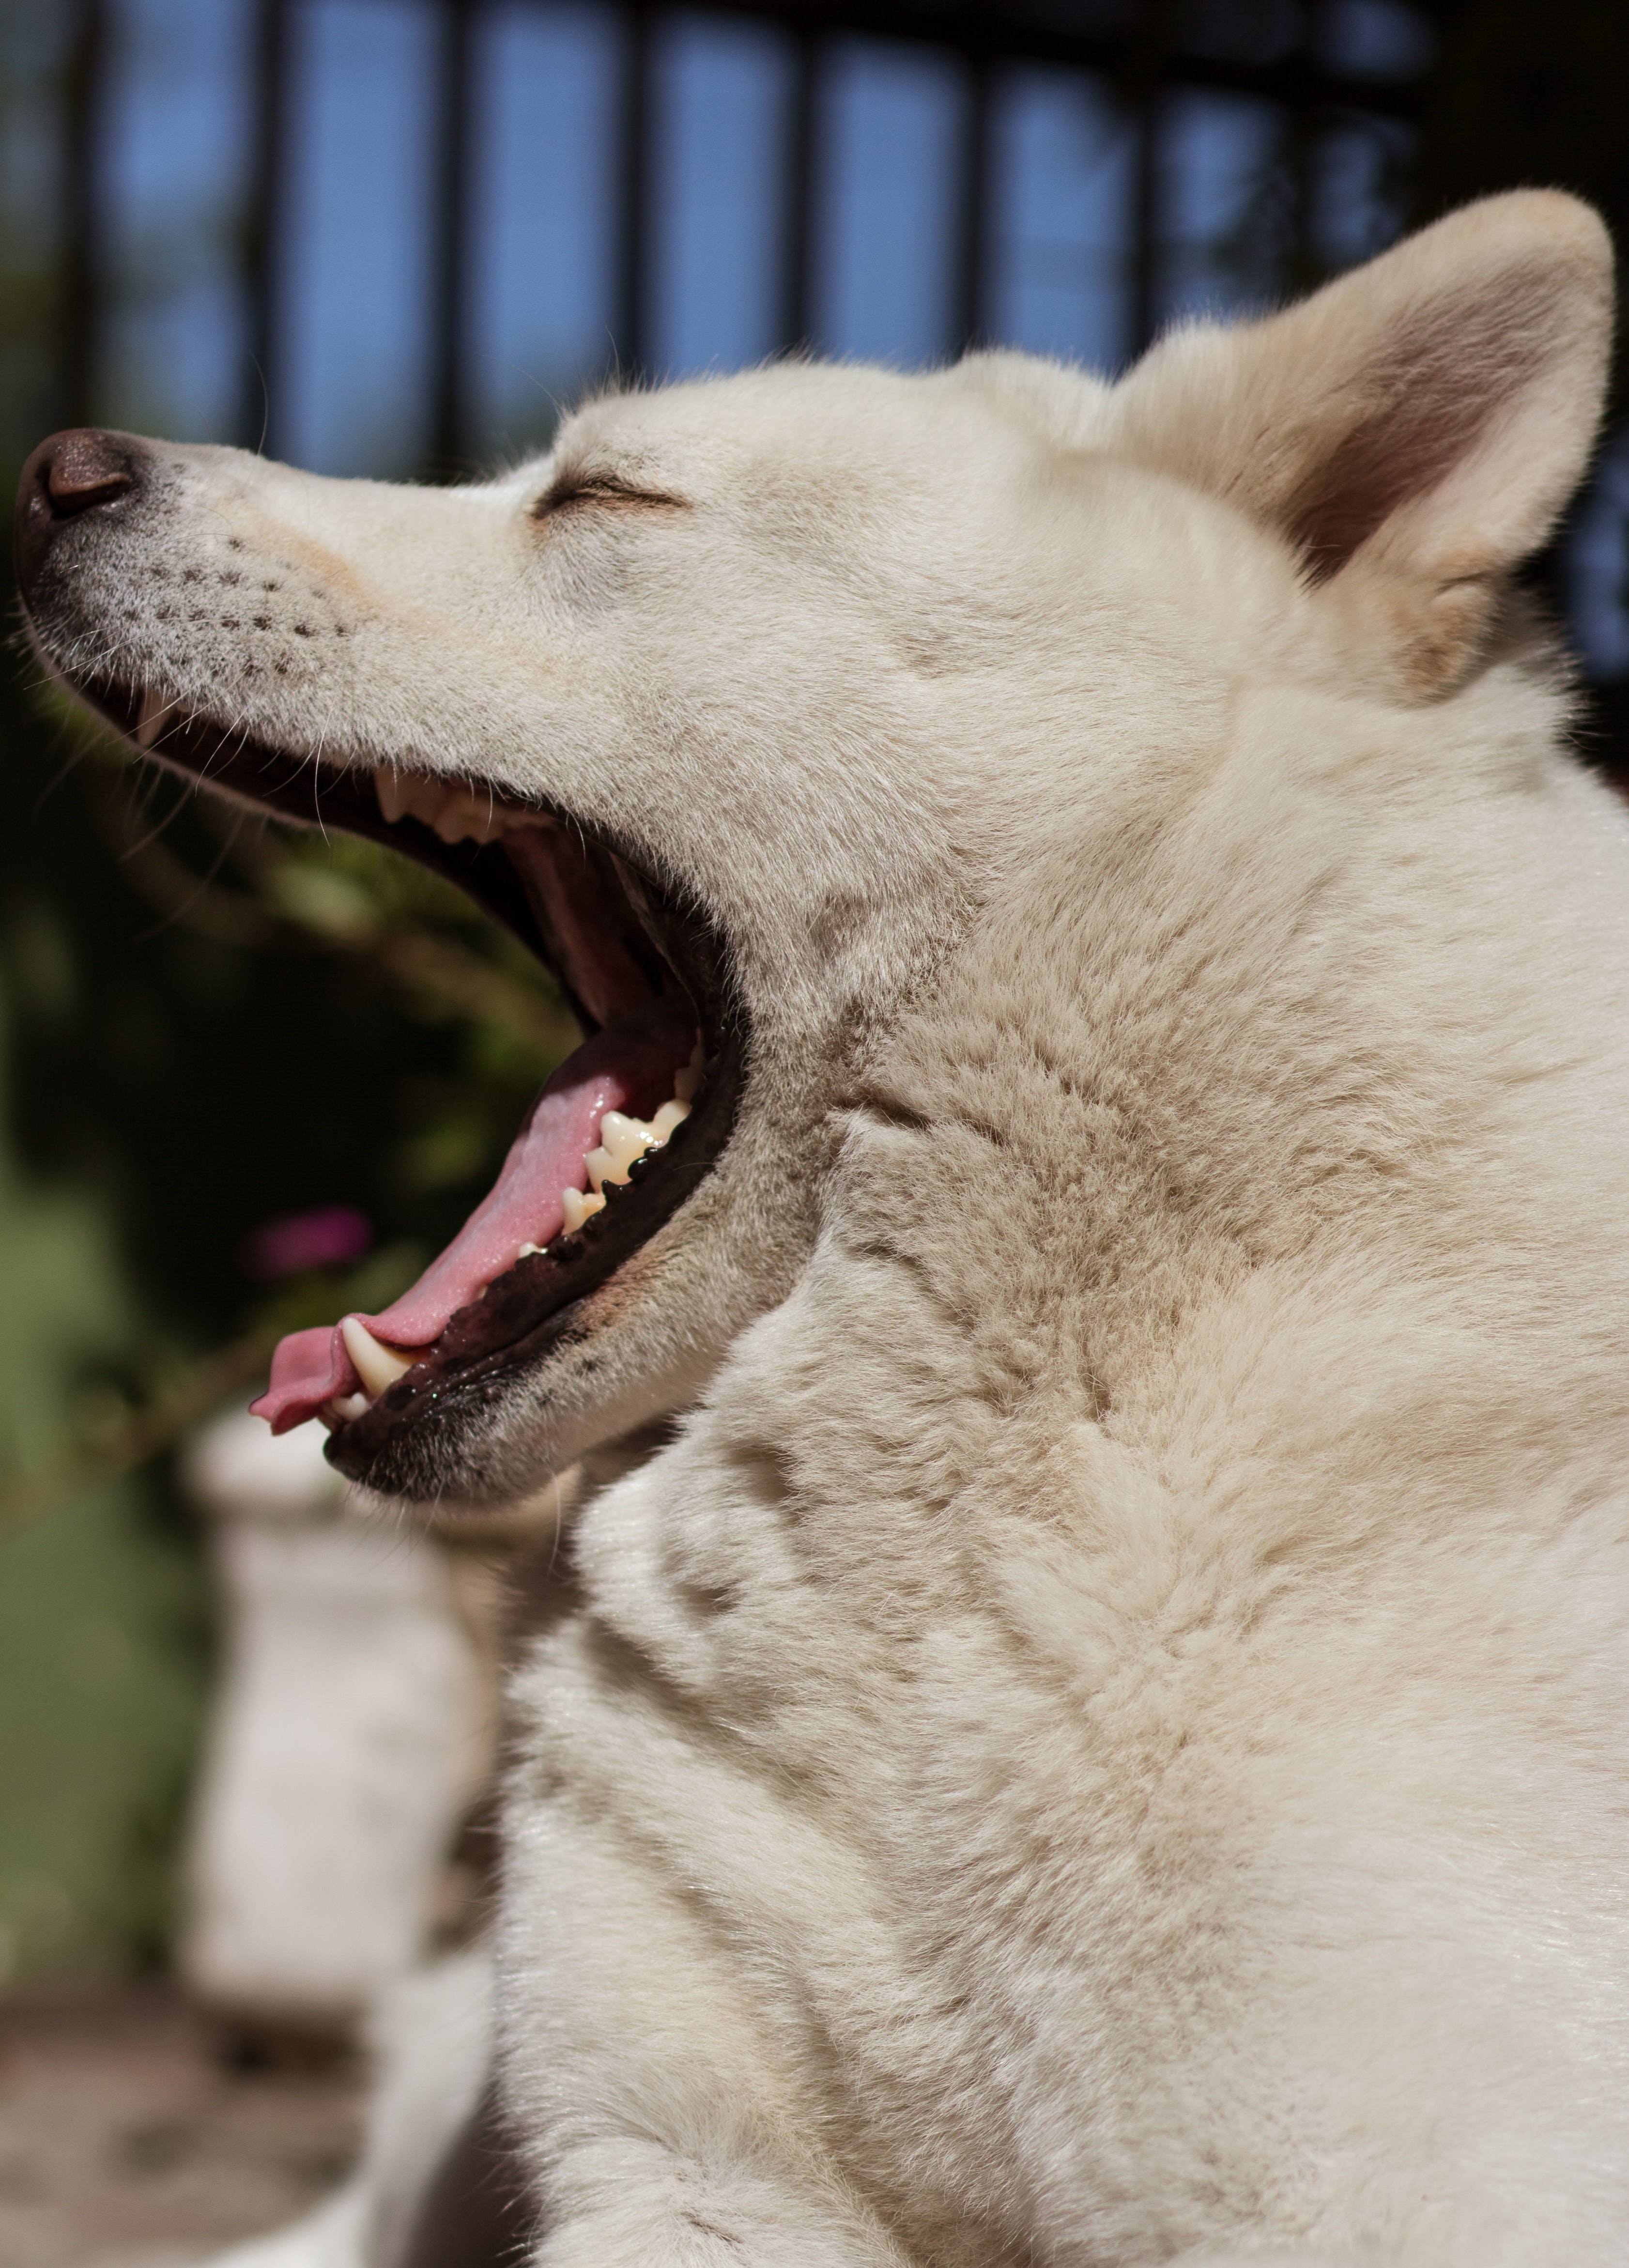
x=183, y=738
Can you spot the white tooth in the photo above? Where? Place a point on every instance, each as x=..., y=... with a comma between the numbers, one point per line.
x=602, y=1167
x=452, y=817
x=689, y=1079
x=342, y=1408
x=155, y=709
x=670, y=1116
x=578, y=1208
x=467, y=816
x=394, y=796
x=529, y=1251
x=457, y=815
x=377, y=1366
x=624, y=1139
x=409, y=795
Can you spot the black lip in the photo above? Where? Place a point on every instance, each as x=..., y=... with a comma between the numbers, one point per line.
x=539, y=1302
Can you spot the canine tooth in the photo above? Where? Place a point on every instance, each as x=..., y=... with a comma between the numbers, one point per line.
x=393, y=794
x=684, y=1088
x=578, y=1207
x=529, y=1251
x=155, y=709
x=623, y=1139
x=671, y=1115
x=377, y=1366
x=401, y=796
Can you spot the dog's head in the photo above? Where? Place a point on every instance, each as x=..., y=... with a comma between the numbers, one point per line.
x=742, y=704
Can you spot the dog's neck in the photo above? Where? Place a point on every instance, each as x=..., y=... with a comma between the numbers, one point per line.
x=1261, y=1098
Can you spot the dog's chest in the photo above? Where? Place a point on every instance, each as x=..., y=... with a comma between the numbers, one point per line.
x=999, y=1870
x=895, y=1819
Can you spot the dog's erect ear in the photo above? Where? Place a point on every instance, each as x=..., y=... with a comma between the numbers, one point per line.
x=1414, y=428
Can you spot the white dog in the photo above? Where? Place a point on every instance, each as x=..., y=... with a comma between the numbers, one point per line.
x=1091, y=1733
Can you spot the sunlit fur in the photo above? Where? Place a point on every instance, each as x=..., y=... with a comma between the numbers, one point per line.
x=1098, y=1741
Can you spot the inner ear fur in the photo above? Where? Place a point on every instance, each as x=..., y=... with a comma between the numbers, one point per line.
x=1413, y=430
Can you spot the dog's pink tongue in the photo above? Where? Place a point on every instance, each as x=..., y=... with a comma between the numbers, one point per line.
x=630, y=1065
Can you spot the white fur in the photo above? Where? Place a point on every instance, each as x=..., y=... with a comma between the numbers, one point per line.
x=1098, y=1741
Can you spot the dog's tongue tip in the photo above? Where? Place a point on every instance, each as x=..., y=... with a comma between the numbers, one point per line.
x=307, y=1369
x=623, y=1063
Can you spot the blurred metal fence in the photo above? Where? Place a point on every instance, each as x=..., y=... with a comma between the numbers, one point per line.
x=1317, y=66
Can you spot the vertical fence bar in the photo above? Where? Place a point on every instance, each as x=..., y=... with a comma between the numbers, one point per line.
x=451, y=242
x=1305, y=270
x=266, y=222
x=797, y=295
x=973, y=216
x=1145, y=246
x=1297, y=142
x=630, y=318
x=1144, y=92
x=83, y=279
x=1145, y=81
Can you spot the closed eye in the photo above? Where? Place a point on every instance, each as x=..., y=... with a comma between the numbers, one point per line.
x=575, y=492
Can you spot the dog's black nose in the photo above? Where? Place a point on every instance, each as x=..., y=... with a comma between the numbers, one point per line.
x=72, y=473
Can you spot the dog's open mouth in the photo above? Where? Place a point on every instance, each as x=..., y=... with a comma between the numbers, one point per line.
x=621, y=1134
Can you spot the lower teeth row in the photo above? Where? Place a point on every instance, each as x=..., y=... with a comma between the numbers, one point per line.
x=624, y=1141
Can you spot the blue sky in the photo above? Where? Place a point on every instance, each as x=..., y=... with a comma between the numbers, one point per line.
x=351, y=393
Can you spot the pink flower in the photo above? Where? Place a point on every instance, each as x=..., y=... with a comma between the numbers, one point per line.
x=328, y=1237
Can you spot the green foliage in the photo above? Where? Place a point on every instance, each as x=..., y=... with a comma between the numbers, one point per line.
x=102, y=1637
x=103, y=1653
x=212, y=1025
